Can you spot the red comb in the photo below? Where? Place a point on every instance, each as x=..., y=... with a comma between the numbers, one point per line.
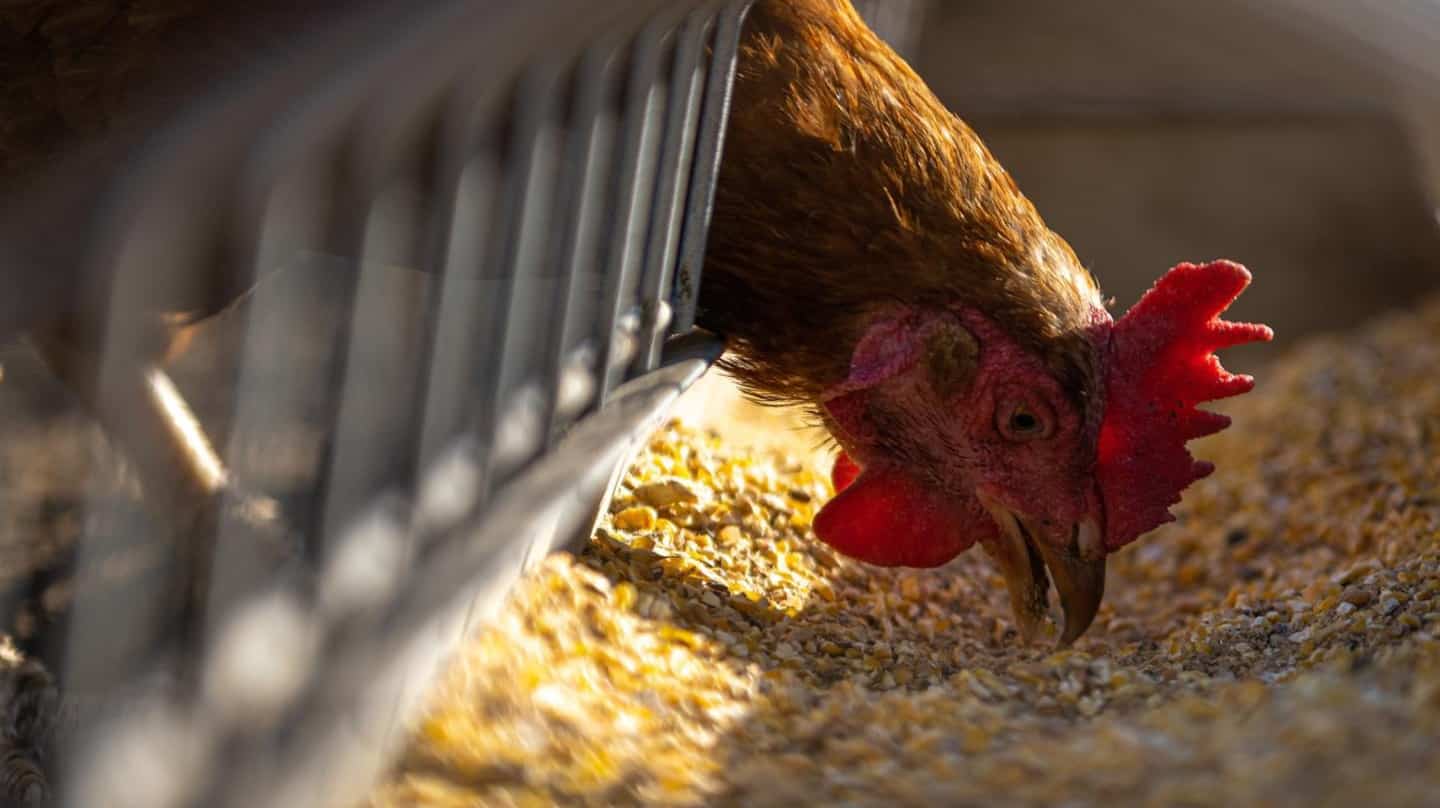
x=1162, y=364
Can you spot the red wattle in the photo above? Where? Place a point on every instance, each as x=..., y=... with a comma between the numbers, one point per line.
x=887, y=518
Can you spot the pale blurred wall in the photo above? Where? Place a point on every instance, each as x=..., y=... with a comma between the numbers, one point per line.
x=1150, y=132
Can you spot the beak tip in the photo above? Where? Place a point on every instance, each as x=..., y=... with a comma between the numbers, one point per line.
x=1080, y=582
x=1074, y=630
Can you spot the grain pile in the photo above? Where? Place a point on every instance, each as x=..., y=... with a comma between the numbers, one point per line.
x=1279, y=645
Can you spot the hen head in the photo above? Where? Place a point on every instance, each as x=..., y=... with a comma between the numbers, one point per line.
x=955, y=433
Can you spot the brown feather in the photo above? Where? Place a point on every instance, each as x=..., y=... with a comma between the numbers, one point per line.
x=847, y=187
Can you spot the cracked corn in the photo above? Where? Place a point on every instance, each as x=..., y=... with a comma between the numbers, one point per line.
x=1279, y=644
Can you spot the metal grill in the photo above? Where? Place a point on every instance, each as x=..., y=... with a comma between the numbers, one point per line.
x=508, y=205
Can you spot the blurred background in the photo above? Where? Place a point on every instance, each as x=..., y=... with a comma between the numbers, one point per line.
x=1300, y=140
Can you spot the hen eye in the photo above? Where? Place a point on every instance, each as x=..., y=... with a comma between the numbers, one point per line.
x=1023, y=422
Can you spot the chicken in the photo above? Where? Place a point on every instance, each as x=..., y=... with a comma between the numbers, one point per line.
x=870, y=260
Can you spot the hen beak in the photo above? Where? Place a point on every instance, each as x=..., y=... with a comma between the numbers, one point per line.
x=1023, y=556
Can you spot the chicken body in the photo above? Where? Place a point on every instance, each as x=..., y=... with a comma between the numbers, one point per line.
x=870, y=260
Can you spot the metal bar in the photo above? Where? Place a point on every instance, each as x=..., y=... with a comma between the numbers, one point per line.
x=466, y=289
x=372, y=437
x=645, y=100
x=686, y=85
x=572, y=356
x=708, y=150
x=508, y=421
